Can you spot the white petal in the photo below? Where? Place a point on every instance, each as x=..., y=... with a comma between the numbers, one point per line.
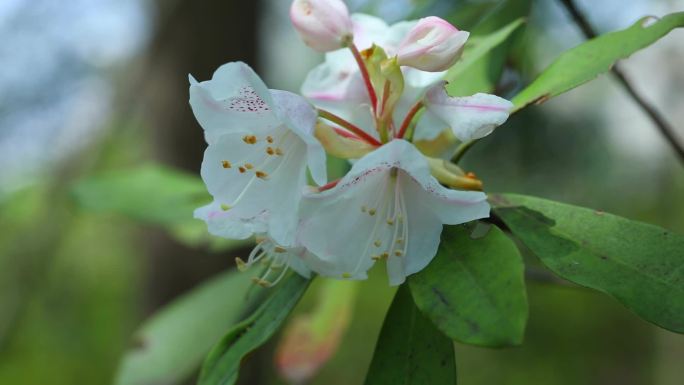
x=234, y=100
x=416, y=83
x=471, y=117
x=336, y=86
x=369, y=30
x=253, y=182
x=227, y=224
x=424, y=228
x=429, y=126
x=338, y=228
x=301, y=117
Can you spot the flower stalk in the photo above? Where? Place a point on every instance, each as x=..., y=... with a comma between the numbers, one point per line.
x=364, y=74
x=349, y=126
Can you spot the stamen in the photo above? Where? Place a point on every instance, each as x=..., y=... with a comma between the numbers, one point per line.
x=261, y=175
x=377, y=243
x=279, y=249
x=390, y=222
x=225, y=164
x=384, y=255
x=249, y=166
x=269, y=139
x=371, y=212
x=398, y=253
x=242, y=170
x=270, y=150
x=249, y=139
x=278, y=151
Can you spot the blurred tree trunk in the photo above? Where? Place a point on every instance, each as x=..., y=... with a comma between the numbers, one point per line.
x=191, y=37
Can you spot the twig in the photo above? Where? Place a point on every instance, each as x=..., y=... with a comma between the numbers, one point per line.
x=665, y=128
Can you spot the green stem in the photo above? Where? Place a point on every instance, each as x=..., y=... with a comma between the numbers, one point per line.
x=461, y=150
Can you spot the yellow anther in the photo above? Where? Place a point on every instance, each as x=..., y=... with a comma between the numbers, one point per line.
x=398, y=253
x=278, y=151
x=225, y=164
x=377, y=243
x=241, y=265
x=400, y=240
x=270, y=150
x=225, y=207
x=390, y=222
x=371, y=212
x=242, y=169
x=346, y=275
x=249, y=166
x=384, y=255
x=279, y=249
x=269, y=139
x=249, y=139
x=261, y=282
x=375, y=257
x=261, y=174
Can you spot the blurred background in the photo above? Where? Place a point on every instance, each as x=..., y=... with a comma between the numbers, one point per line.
x=99, y=150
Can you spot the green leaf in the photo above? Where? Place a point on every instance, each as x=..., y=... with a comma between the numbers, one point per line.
x=476, y=49
x=153, y=194
x=222, y=365
x=173, y=342
x=410, y=350
x=489, y=44
x=586, y=61
x=474, y=289
x=150, y=193
x=640, y=265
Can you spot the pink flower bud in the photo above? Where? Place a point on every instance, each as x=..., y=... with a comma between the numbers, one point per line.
x=324, y=25
x=431, y=45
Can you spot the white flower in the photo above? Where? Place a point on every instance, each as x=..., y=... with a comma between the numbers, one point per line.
x=432, y=45
x=336, y=85
x=469, y=117
x=322, y=24
x=388, y=207
x=260, y=143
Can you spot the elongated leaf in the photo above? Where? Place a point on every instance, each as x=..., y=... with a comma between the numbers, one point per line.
x=640, y=265
x=410, y=350
x=172, y=344
x=491, y=45
x=476, y=49
x=223, y=363
x=474, y=289
x=586, y=61
x=150, y=193
x=153, y=194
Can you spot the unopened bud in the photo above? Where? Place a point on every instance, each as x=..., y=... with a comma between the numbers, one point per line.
x=324, y=25
x=432, y=45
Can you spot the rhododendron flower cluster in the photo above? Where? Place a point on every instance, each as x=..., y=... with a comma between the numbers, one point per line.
x=379, y=90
